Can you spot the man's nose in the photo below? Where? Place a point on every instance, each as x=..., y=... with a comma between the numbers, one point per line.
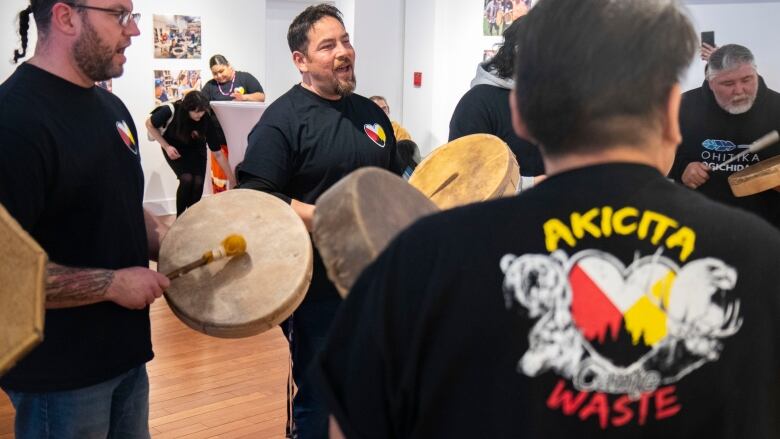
x=132, y=28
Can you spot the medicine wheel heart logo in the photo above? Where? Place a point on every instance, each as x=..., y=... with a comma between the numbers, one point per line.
x=127, y=136
x=376, y=133
x=616, y=329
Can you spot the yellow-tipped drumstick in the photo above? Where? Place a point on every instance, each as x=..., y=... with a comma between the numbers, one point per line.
x=233, y=245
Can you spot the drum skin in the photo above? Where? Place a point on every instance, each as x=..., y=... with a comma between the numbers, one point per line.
x=358, y=216
x=470, y=169
x=244, y=295
x=762, y=176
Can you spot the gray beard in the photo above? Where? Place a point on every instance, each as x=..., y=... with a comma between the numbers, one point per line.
x=93, y=57
x=739, y=109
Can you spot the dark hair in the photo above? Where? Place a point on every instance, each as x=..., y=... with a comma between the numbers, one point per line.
x=24, y=26
x=728, y=57
x=592, y=74
x=187, y=129
x=218, y=60
x=298, y=33
x=504, y=60
x=41, y=11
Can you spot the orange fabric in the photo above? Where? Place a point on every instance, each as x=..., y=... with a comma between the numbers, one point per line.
x=219, y=178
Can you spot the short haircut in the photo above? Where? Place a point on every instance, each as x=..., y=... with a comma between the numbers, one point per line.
x=298, y=33
x=729, y=57
x=593, y=74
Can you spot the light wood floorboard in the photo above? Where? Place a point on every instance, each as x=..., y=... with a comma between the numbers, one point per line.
x=205, y=387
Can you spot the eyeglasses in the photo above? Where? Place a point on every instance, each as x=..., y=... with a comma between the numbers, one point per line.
x=123, y=17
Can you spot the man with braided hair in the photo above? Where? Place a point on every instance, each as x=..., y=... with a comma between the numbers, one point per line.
x=73, y=180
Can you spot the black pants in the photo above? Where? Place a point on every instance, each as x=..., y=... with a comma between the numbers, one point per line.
x=190, y=169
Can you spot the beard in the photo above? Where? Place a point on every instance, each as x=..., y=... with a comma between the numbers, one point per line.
x=346, y=88
x=93, y=57
x=740, y=108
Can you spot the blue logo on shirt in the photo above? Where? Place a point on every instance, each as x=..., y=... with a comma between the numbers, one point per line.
x=721, y=145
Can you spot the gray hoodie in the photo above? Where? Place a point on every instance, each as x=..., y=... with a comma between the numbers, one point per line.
x=491, y=78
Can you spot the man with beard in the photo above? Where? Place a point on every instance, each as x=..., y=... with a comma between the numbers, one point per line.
x=307, y=140
x=71, y=176
x=733, y=108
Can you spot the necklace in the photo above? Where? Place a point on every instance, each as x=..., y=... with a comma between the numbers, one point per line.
x=230, y=91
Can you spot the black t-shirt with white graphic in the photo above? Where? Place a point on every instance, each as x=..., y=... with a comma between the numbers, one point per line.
x=243, y=82
x=712, y=136
x=633, y=309
x=304, y=144
x=71, y=175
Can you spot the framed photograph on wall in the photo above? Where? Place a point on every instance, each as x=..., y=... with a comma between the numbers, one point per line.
x=177, y=37
x=497, y=15
x=488, y=53
x=172, y=85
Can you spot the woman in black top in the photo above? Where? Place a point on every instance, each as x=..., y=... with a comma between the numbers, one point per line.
x=183, y=129
x=230, y=85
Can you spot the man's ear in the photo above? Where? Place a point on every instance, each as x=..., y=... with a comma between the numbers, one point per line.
x=517, y=119
x=671, y=133
x=299, y=59
x=63, y=18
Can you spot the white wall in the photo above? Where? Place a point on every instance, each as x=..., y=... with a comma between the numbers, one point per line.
x=379, y=46
x=753, y=25
x=444, y=41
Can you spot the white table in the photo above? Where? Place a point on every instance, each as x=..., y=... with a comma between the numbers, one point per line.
x=237, y=120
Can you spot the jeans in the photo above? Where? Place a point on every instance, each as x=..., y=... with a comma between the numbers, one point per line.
x=117, y=408
x=309, y=324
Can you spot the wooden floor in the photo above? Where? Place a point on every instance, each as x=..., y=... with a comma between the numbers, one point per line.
x=203, y=387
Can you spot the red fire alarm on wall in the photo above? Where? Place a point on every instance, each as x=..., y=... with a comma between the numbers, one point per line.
x=418, y=79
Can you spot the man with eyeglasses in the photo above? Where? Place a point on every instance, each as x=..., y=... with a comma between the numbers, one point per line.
x=71, y=176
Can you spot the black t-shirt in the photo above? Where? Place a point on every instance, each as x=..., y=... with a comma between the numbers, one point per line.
x=304, y=144
x=712, y=136
x=636, y=309
x=201, y=134
x=71, y=175
x=221, y=92
x=485, y=109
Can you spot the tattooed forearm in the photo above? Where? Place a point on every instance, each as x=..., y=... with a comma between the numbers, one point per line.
x=69, y=286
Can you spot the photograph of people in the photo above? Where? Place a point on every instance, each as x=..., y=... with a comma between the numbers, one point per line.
x=177, y=36
x=499, y=14
x=172, y=85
